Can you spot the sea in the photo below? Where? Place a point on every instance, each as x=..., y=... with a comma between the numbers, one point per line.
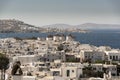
x=94, y=37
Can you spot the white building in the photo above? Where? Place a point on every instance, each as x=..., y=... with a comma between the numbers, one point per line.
x=25, y=59
x=56, y=37
x=51, y=56
x=49, y=38
x=72, y=71
x=62, y=37
x=110, y=67
x=92, y=55
x=68, y=71
x=113, y=55
x=23, y=78
x=69, y=37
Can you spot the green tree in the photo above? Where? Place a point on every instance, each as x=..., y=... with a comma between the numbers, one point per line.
x=87, y=71
x=16, y=67
x=100, y=61
x=4, y=65
x=60, y=47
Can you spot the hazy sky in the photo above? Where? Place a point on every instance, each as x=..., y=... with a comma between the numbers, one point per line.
x=45, y=12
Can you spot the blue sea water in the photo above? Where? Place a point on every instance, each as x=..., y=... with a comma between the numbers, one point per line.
x=101, y=38
x=96, y=37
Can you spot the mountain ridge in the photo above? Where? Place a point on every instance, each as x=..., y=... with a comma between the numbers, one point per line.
x=85, y=26
x=12, y=25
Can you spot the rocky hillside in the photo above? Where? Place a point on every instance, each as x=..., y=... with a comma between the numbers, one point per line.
x=16, y=26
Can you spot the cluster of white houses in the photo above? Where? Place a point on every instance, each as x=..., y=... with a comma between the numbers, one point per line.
x=58, y=57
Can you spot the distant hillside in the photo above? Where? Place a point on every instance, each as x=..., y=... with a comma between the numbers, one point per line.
x=16, y=26
x=98, y=26
x=86, y=26
x=59, y=26
x=12, y=25
x=64, y=28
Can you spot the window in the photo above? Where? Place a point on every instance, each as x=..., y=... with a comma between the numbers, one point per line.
x=113, y=68
x=94, y=68
x=68, y=73
x=116, y=57
x=110, y=57
x=47, y=59
x=100, y=68
x=113, y=57
x=73, y=71
x=56, y=73
x=59, y=53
